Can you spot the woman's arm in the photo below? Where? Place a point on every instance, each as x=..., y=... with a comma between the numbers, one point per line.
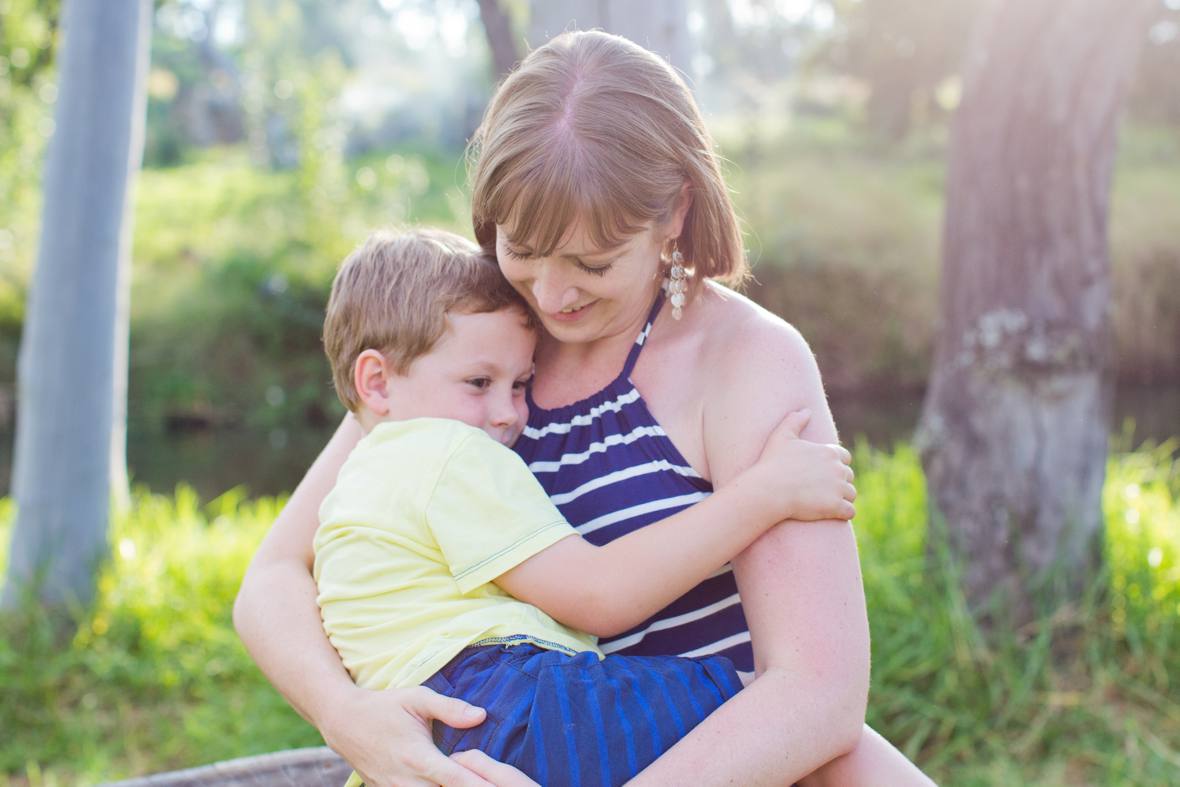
x=800, y=587
x=384, y=735
x=606, y=590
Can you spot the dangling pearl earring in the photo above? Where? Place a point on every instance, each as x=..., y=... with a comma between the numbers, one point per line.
x=676, y=283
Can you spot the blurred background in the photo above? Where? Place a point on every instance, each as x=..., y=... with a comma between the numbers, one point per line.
x=280, y=132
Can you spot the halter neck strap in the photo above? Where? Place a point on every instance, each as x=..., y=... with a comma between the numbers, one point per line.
x=637, y=348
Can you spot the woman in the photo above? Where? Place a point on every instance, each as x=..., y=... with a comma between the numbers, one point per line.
x=595, y=185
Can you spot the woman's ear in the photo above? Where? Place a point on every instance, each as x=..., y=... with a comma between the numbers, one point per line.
x=675, y=224
x=370, y=377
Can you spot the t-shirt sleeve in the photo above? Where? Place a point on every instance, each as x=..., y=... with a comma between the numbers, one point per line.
x=488, y=514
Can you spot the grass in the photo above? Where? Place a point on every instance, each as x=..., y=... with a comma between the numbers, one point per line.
x=155, y=678
x=1014, y=710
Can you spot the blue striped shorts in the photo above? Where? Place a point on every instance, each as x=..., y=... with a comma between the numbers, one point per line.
x=575, y=719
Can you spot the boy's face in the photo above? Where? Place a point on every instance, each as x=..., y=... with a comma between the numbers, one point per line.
x=476, y=373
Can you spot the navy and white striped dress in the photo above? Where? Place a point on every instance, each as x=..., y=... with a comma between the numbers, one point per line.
x=610, y=468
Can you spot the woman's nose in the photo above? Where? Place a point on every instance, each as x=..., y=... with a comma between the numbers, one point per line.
x=552, y=293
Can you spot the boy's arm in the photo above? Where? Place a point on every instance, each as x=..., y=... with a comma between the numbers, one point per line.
x=609, y=589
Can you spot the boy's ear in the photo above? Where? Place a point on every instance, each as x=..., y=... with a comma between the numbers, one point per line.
x=370, y=377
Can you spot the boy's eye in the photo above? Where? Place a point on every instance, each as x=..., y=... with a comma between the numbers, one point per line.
x=480, y=382
x=520, y=385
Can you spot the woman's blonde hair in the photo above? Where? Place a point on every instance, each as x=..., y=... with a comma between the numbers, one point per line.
x=594, y=128
x=393, y=294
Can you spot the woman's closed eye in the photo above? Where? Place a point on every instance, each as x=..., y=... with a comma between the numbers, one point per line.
x=517, y=255
x=595, y=270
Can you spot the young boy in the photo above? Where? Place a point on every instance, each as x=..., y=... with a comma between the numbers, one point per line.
x=440, y=561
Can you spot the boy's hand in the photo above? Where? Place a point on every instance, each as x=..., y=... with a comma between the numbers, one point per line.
x=804, y=480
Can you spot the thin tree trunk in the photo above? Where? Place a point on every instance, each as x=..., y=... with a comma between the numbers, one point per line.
x=497, y=28
x=73, y=358
x=1014, y=427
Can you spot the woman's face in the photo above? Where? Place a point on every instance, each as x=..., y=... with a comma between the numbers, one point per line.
x=582, y=293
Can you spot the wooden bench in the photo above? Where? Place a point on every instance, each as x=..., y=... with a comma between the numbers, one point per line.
x=314, y=767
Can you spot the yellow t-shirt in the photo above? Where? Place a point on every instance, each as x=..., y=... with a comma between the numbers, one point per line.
x=424, y=515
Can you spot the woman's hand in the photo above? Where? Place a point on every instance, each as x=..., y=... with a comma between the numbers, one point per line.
x=385, y=736
x=804, y=480
x=495, y=772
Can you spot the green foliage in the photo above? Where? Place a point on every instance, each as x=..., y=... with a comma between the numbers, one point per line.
x=28, y=38
x=155, y=678
x=1153, y=95
x=1078, y=698
x=902, y=50
x=1145, y=257
x=233, y=274
x=908, y=56
x=838, y=230
x=232, y=263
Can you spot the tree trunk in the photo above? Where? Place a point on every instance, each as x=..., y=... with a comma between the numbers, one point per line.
x=73, y=358
x=1014, y=428
x=497, y=28
x=659, y=25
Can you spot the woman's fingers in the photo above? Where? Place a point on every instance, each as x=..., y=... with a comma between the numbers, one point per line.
x=491, y=770
x=427, y=705
x=451, y=772
x=430, y=767
x=429, y=762
x=388, y=738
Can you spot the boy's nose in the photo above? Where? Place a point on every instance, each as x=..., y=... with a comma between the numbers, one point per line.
x=505, y=414
x=505, y=421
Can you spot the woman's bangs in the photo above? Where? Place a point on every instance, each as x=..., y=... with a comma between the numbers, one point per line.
x=539, y=209
x=535, y=211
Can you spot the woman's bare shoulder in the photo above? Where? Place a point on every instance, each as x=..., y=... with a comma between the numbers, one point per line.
x=755, y=369
x=745, y=339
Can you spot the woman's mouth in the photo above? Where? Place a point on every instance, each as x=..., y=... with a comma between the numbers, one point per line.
x=572, y=313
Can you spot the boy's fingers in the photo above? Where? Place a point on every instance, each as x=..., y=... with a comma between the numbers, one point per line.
x=797, y=421
x=849, y=492
x=842, y=452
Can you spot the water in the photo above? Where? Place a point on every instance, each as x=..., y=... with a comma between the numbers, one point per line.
x=1141, y=414
x=268, y=463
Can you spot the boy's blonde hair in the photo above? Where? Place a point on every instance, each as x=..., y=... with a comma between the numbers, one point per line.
x=394, y=292
x=593, y=127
